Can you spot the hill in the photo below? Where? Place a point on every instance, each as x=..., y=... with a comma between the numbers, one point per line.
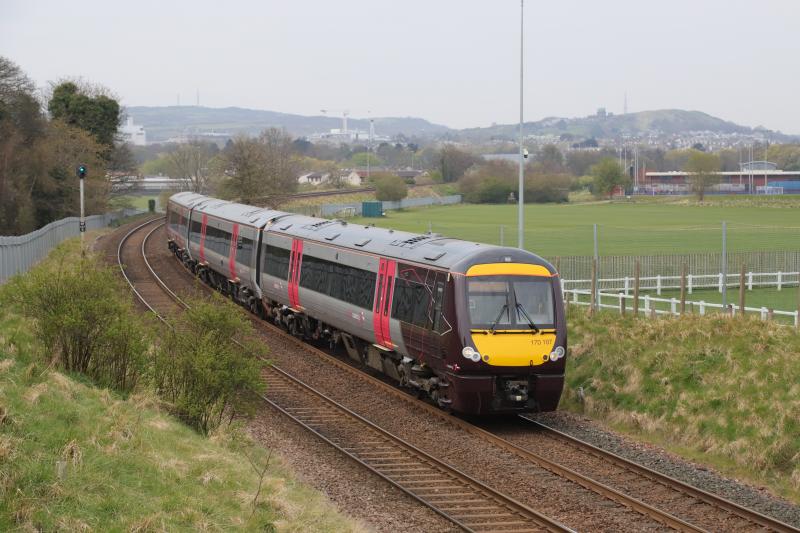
x=661, y=122
x=161, y=123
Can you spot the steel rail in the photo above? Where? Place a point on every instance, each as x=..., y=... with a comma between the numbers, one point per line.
x=669, y=481
x=501, y=511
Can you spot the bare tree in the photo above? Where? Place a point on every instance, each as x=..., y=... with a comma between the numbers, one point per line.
x=190, y=162
x=701, y=169
x=264, y=168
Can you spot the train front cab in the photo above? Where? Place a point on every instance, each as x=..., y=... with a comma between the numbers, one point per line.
x=513, y=337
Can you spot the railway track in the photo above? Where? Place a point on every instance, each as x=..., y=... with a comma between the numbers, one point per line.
x=635, y=486
x=463, y=500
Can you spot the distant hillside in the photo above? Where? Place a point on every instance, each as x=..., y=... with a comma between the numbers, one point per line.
x=164, y=122
x=665, y=121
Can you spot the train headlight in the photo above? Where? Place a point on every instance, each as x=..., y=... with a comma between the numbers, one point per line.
x=470, y=353
x=557, y=354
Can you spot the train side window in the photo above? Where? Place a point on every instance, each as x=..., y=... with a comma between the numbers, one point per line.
x=349, y=284
x=411, y=302
x=244, y=253
x=194, y=236
x=276, y=261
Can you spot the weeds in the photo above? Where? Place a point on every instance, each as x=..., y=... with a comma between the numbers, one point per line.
x=725, y=388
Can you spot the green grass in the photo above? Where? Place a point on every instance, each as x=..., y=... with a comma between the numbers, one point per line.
x=128, y=465
x=785, y=299
x=724, y=391
x=643, y=226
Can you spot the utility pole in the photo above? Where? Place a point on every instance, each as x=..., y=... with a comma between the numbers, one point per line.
x=521, y=215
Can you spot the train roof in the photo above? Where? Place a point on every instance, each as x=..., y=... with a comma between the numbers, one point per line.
x=239, y=213
x=427, y=248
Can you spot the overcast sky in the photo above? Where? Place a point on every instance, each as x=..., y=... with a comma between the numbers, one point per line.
x=455, y=62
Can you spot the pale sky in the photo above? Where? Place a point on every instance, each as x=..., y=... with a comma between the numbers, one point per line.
x=454, y=62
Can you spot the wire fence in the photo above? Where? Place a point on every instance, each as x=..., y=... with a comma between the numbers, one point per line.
x=730, y=268
x=19, y=253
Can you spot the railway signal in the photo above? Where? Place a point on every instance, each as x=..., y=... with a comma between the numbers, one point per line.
x=81, y=172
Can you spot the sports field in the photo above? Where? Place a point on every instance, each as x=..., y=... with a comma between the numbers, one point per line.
x=624, y=228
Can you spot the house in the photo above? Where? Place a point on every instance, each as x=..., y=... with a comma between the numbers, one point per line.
x=314, y=178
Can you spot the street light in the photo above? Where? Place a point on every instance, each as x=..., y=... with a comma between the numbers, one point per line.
x=521, y=221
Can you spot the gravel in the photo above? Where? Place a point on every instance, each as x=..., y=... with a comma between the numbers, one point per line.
x=695, y=474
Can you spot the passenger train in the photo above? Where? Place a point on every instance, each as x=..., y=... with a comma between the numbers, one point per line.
x=479, y=329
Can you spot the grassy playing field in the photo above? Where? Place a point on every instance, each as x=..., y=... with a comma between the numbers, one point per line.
x=624, y=228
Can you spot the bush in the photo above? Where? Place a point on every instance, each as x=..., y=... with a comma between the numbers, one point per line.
x=84, y=318
x=201, y=372
x=390, y=189
x=493, y=182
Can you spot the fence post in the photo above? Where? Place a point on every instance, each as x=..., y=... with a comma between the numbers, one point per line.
x=627, y=285
x=646, y=304
x=658, y=284
x=622, y=304
x=780, y=279
x=749, y=281
x=720, y=283
x=763, y=313
x=683, y=287
x=702, y=308
x=636, y=268
x=690, y=284
x=673, y=306
x=593, y=299
x=741, y=289
x=724, y=274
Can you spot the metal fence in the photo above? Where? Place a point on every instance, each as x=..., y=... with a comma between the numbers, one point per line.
x=348, y=209
x=20, y=253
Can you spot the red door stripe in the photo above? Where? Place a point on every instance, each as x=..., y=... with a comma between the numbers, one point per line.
x=233, y=248
x=290, y=288
x=203, y=238
x=376, y=308
x=298, y=266
x=387, y=306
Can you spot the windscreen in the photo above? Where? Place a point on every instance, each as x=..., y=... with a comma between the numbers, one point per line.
x=510, y=302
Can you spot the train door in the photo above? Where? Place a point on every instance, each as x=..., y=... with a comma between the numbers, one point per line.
x=383, y=302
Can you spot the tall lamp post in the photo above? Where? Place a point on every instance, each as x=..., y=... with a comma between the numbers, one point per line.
x=521, y=219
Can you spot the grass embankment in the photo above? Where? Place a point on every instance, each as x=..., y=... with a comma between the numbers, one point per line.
x=77, y=457
x=723, y=391
x=637, y=227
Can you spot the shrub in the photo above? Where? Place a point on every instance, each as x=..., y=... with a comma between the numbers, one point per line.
x=390, y=189
x=493, y=182
x=201, y=372
x=84, y=318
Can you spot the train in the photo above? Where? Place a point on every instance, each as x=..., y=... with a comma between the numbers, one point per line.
x=476, y=328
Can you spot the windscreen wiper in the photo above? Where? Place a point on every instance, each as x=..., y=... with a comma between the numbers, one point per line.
x=525, y=313
x=496, y=320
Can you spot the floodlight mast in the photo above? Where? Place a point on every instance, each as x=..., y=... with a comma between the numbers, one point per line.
x=521, y=215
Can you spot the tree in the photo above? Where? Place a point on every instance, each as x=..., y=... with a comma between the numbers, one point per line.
x=264, y=168
x=701, y=171
x=607, y=176
x=550, y=159
x=453, y=162
x=98, y=114
x=390, y=189
x=190, y=162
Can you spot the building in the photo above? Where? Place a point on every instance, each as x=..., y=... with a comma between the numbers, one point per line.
x=133, y=134
x=754, y=177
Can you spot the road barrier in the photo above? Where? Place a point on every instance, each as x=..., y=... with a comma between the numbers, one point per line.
x=19, y=253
